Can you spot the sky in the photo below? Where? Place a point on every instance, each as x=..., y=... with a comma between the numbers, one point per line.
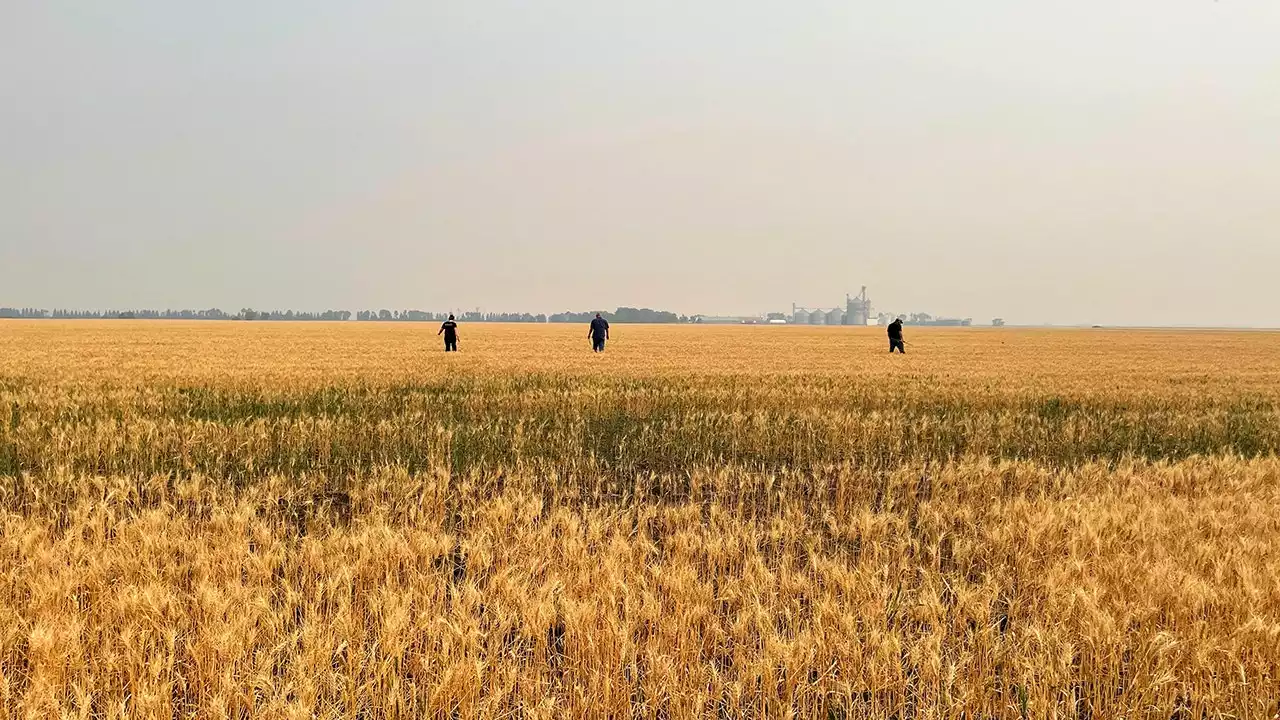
x=1089, y=161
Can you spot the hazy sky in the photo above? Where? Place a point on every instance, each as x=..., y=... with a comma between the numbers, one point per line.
x=1082, y=161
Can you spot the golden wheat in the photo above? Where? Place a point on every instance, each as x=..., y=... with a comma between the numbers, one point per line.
x=338, y=520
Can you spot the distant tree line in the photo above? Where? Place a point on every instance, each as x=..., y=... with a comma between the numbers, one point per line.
x=621, y=315
x=420, y=316
x=23, y=313
x=330, y=315
x=210, y=314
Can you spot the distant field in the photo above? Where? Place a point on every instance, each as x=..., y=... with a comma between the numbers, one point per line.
x=340, y=520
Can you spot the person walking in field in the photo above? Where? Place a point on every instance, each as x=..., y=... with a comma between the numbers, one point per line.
x=598, y=333
x=450, y=331
x=895, y=337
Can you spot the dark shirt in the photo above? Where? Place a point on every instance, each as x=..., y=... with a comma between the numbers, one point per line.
x=895, y=330
x=450, y=329
x=599, y=328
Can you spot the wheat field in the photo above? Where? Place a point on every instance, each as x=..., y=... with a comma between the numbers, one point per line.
x=303, y=520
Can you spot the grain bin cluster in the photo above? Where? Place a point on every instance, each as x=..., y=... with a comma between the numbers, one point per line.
x=856, y=311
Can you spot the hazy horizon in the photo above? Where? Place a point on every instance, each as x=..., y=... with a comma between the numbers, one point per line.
x=1076, y=163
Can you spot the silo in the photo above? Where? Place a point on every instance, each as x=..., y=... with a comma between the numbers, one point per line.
x=859, y=308
x=800, y=317
x=835, y=316
x=817, y=317
x=857, y=312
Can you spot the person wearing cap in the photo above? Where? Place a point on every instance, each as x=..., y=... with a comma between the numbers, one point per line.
x=450, y=331
x=598, y=333
x=895, y=337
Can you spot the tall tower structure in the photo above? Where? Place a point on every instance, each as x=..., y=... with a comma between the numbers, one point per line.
x=858, y=308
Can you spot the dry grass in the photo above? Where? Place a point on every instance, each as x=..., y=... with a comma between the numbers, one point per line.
x=221, y=519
